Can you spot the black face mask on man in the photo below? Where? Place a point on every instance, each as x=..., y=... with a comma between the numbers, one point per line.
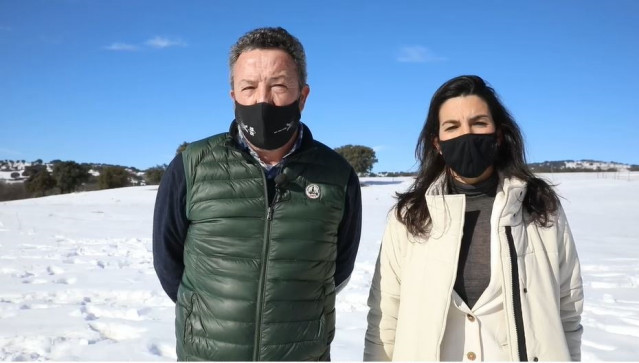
x=267, y=126
x=469, y=155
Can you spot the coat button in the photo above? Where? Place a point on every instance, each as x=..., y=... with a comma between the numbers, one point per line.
x=470, y=318
x=471, y=356
x=535, y=359
x=525, y=290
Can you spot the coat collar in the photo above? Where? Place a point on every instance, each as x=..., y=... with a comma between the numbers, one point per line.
x=307, y=136
x=509, y=198
x=443, y=207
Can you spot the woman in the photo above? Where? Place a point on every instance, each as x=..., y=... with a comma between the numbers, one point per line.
x=477, y=261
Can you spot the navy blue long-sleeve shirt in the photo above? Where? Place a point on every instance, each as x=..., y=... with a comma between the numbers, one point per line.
x=170, y=226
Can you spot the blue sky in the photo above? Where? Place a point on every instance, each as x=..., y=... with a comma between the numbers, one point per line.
x=125, y=82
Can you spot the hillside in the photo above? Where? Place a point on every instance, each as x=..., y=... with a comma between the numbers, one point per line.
x=564, y=166
x=12, y=171
x=9, y=168
x=21, y=179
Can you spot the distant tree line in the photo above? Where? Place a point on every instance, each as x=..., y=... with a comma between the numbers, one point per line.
x=61, y=177
x=395, y=173
x=561, y=167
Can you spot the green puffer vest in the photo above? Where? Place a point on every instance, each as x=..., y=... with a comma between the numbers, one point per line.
x=258, y=281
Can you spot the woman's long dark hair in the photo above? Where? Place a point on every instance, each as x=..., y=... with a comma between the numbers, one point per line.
x=540, y=200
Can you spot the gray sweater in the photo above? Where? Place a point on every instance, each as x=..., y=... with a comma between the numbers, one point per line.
x=473, y=269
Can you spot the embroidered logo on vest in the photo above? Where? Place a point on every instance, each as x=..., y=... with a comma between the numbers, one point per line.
x=313, y=191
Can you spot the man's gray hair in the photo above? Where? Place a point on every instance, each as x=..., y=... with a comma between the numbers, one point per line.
x=271, y=38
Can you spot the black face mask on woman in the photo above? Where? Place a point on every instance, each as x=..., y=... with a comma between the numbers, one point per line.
x=470, y=155
x=267, y=126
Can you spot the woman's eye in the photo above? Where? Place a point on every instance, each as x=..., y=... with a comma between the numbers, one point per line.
x=483, y=122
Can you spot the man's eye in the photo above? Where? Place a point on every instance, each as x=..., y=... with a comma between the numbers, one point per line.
x=248, y=88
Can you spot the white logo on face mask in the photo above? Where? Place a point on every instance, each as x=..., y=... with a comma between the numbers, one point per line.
x=313, y=191
x=288, y=127
x=248, y=129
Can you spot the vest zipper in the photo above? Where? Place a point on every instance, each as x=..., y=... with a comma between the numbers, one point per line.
x=516, y=297
x=257, y=345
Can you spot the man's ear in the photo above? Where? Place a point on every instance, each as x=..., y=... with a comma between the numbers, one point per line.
x=304, y=95
x=232, y=93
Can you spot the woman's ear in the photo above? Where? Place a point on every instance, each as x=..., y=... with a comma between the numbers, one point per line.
x=436, y=144
x=500, y=137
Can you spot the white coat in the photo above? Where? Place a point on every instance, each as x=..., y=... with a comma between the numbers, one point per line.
x=414, y=278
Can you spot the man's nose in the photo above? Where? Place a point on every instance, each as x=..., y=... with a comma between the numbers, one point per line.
x=263, y=95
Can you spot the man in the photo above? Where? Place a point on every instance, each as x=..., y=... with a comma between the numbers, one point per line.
x=256, y=229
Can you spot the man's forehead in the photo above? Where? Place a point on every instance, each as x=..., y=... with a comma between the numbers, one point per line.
x=251, y=65
x=252, y=76
x=269, y=55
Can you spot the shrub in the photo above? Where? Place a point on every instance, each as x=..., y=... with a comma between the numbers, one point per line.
x=69, y=175
x=113, y=177
x=360, y=157
x=154, y=175
x=12, y=191
x=40, y=182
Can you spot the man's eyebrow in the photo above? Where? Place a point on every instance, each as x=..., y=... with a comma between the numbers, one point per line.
x=280, y=78
x=245, y=80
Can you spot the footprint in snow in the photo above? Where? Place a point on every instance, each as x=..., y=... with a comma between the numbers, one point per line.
x=162, y=350
x=55, y=270
x=67, y=281
x=116, y=331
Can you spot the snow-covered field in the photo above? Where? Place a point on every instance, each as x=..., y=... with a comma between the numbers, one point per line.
x=77, y=279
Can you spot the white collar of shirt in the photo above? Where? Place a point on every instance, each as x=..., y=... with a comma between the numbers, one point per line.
x=267, y=167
